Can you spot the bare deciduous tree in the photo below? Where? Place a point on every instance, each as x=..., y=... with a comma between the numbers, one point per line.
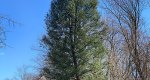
x=132, y=48
x=24, y=73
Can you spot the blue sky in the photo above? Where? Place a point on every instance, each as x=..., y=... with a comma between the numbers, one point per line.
x=146, y=17
x=21, y=38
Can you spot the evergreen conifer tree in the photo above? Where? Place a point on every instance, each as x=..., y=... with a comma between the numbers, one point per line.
x=73, y=41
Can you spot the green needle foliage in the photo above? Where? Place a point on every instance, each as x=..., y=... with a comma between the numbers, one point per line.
x=73, y=41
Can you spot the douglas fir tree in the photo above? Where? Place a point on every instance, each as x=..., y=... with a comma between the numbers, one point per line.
x=73, y=41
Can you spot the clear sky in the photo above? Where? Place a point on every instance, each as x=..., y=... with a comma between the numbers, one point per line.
x=22, y=38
